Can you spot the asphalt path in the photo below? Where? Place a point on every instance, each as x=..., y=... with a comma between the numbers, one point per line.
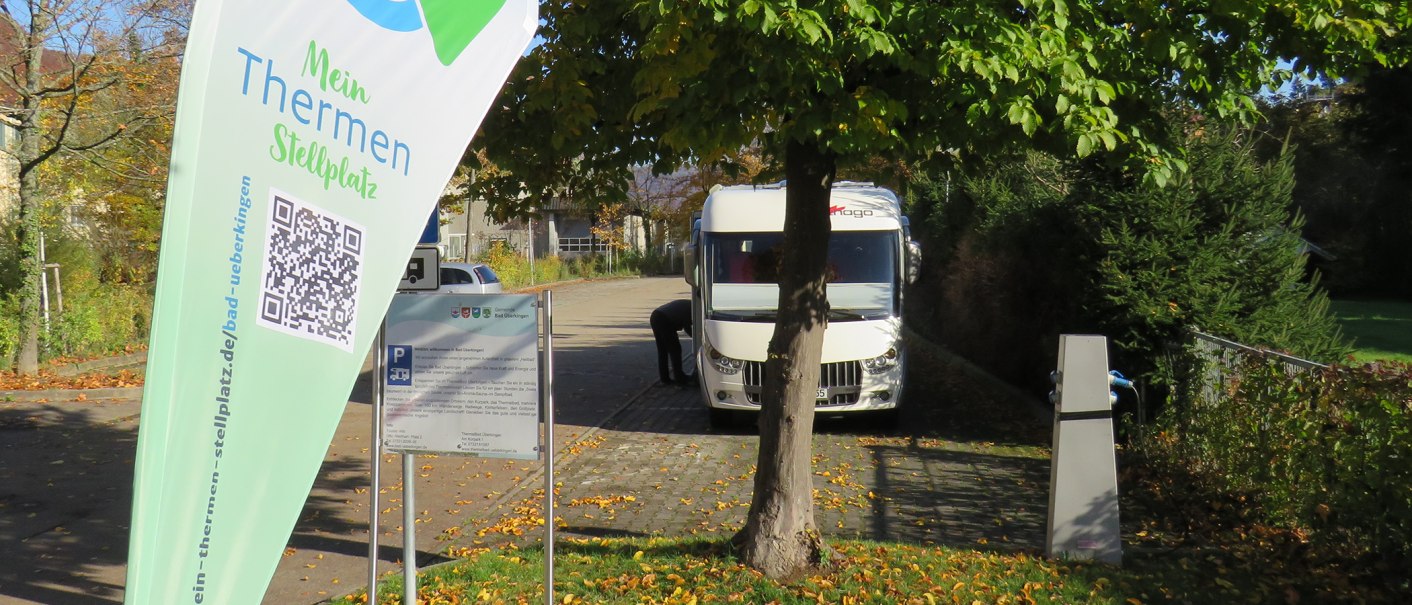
x=66, y=469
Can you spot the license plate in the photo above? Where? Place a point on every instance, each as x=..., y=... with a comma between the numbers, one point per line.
x=823, y=394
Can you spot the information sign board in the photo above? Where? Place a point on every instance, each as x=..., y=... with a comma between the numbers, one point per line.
x=462, y=375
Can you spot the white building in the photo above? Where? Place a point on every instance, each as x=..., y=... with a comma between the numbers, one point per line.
x=559, y=228
x=9, y=170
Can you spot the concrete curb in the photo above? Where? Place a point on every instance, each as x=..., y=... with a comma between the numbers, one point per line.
x=128, y=394
x=130, y=359
x=48, y=395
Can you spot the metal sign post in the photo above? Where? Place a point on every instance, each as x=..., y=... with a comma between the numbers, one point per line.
x=409, y=531
x=43, y=283
x=547, y=395
x=379, y=373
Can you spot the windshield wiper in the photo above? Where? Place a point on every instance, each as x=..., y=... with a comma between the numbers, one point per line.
x=849, y=314
x=753, y=316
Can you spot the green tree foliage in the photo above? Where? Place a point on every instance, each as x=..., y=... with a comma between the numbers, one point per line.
x=1031, y=247
x=1332, y=177
x=824, y=84
x=1005, y=262
x=118, y=189
x=1218, y=250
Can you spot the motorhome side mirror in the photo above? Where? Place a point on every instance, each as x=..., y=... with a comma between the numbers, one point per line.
x=689, y=264
x=688, y=251
x=914, y=261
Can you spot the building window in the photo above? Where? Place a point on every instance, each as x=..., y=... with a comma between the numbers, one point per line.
x=8, y=134
x=581, y=244
x=456, y=246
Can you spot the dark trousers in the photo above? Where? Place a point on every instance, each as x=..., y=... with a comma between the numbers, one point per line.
x=668, y=348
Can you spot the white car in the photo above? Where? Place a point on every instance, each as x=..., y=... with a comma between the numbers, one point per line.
x=469, y=278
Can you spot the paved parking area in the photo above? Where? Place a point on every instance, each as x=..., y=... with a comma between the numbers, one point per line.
x=656, y=468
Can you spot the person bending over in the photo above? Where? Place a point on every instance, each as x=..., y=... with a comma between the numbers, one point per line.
x=666, y=320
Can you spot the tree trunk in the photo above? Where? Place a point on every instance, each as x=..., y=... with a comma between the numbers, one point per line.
x=28, y=360
x=29, y=134
x=780, y=538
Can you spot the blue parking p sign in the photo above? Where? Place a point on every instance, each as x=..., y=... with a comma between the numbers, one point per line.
x=399, y=366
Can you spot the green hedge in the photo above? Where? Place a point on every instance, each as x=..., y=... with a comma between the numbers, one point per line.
x=9, y=328
x=1327, y=451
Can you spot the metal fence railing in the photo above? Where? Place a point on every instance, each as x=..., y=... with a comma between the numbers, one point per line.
x=1223, y=358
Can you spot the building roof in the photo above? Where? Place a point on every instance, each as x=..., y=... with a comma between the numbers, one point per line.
x=12, y=58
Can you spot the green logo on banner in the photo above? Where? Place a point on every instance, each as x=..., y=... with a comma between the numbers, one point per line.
x=452, y=23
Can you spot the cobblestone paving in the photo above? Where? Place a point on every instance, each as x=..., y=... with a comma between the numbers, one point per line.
x=656, y=468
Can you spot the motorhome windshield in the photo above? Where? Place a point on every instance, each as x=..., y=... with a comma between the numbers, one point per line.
x=743, y=274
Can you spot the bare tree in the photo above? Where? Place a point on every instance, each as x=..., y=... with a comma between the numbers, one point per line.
x=659, y=198
x=60, y=59
x=671, y=199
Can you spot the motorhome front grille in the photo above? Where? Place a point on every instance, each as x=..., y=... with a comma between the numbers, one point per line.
x=842, y=381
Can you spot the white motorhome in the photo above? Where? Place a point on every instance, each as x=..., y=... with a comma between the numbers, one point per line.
x=731, y=265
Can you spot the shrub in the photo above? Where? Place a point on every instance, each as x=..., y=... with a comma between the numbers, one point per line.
x=9, y=329
x=647, y=263
x=587, y=265
x=98, y=320
x=97, y=317
x=514, y=269
x=1000, y=271
x=1327, y=451
x=510, y=266
x=548, y=269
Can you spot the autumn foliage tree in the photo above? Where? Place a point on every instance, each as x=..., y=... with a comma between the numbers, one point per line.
x=63, y=63
x=121, y=184
x=824, y=84
x=670, y=200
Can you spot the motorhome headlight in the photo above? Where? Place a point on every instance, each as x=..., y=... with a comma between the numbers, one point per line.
x=723, y=364
x=881, y=363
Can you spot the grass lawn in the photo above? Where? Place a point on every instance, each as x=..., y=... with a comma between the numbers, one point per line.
x=696, y=571
x=1380, y=329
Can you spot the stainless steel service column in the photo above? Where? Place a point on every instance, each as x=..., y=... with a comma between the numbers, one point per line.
x=1083, y=478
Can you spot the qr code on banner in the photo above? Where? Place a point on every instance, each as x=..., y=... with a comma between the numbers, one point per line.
x=312, y=273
